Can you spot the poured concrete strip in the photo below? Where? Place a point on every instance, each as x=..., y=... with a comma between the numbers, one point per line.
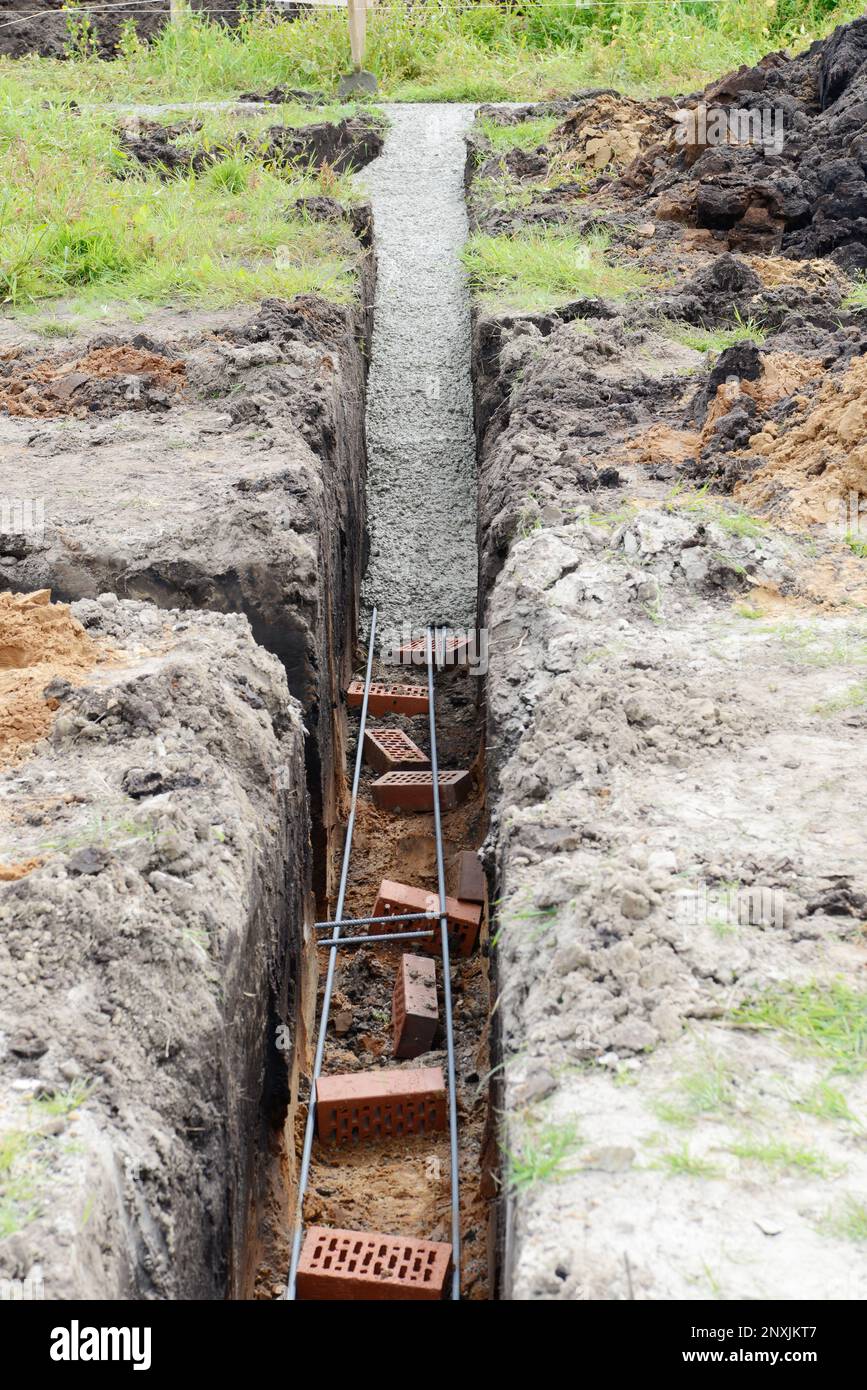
x=421, y=480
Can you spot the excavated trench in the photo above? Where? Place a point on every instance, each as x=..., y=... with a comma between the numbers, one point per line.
x=422, y=568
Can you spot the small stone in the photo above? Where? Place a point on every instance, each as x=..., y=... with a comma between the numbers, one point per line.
x=70, y=1069
x=768, y=1228
x=342, y=1022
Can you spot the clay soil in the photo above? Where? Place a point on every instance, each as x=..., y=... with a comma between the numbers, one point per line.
x=40, y=643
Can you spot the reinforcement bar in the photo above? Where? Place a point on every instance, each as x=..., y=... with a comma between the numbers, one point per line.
x=370, y=940
x=447, y=981
x=375, y=921
x=310, y=1127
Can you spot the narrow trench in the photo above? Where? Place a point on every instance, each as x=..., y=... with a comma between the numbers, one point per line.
x=422, y=568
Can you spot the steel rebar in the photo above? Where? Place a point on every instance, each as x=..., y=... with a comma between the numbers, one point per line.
x=447, y=983
x=304, y=1172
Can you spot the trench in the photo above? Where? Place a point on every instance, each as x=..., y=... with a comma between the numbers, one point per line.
x=422, y=568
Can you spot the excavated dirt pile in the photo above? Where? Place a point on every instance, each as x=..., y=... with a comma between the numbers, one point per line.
x=103, y=381
x=43, y=650
x=348, y=143
x=768, y=159
x=795, y=179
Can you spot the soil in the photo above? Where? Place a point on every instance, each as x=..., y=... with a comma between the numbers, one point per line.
x=139, y=1071
x=347, y=144
x=42, y=647
x=41, y=31
x=236, y=453
x=103, y=381
x=673, y=583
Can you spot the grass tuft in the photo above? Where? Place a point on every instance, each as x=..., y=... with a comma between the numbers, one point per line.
x=538, y=270
x=848, y=1221
x=783, y=1157
x=542, y=1154
x=829, y=1020
x=708, y=1091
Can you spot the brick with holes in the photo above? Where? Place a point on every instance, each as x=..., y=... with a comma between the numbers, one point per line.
x=388, y=699
x=380, y=1104
x=362, y=1265
x=464, y=919
x=453, y=650
x=391, y=750
x=413, y=791
x=414, y=1010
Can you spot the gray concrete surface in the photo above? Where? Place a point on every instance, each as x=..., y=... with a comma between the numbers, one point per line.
x=421, y=479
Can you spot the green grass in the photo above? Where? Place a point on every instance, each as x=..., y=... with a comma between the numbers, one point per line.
x=526, y=135
x=71, y=229
x=787, y=1158
x=542, y=1154
x=681, y=1163
x=444, y=50
x=856, y=545
x=828, y=1020
x=853, y=698
x=848, y=1221
x=17, y=1182
x=63, y=1102
x=715, y=340
x=813, y=645
x=858, y=297
x=708, y=1091
x=538, y=270
x=826, y=1102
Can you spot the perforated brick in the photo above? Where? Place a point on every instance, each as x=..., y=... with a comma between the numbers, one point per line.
x=454, y=651
x=391, y=750
x=414, y=1011
x=471, y=877
x=380, y=1104
x=356, y=1265
x=388, y=699
x=413, y=791
x=464, y=919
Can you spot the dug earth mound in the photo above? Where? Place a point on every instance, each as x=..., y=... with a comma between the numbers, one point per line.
x=155, y=851
x=673, y=577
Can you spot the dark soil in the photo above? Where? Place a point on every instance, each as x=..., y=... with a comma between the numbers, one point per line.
x=346, y=144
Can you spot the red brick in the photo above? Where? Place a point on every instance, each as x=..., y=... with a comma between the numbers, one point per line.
x=414, y=1006
x=379, y=1104
x=413, y=791
x=471, y=877
x=391, y=750
x=464, y=919
x=361, y=1265
x=455, y=650
x=388, y=699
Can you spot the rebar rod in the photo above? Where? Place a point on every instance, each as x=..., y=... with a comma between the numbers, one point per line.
x=309, y=1129
x=370, y=940
x=447, y=983
x=372, y=921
